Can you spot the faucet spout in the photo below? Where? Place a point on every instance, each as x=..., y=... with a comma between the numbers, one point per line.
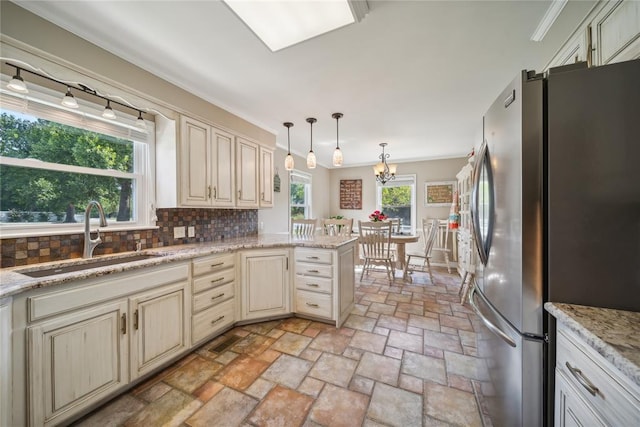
x=89, y=243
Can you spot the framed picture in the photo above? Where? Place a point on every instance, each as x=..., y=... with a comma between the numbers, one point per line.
x=350, y=194
x=439, y=193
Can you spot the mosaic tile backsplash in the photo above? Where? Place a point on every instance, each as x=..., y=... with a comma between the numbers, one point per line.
x=210, y=225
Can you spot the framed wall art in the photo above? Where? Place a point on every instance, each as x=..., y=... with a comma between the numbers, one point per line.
x=350, y=194
x=439, y=193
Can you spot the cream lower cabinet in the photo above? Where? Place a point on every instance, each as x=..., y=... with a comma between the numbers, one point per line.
x=264, y=283
x=589, y=390
x=91, y=338
x=325, y=283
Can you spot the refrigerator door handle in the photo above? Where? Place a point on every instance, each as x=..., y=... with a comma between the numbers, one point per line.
x=490, y=325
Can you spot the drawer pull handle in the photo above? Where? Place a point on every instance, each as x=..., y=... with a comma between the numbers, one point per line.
x=313, y=285
x=213, y=322
x=578, y=375
x=217, y=280
x=313, y=257
x=217, y=264
x=313, y=271
x=313, y=305
x=218, y=296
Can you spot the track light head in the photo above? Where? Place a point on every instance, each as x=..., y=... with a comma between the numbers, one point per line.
x=17, y=84
x=69, y=100
x=108, y=112
x=140, y=122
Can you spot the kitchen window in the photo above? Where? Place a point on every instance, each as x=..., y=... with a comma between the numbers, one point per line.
x=397, y=199
x=299, y=195
x=54, y=160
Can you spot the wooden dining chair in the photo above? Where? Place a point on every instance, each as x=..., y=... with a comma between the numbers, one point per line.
x=303, y=227
x=375, y=244
x=337, y=227
x=429, y=231
x=441, y=244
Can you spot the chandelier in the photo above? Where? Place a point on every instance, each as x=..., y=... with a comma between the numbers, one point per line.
x=384, y=171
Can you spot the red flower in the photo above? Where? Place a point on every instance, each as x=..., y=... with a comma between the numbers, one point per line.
x=377, y=216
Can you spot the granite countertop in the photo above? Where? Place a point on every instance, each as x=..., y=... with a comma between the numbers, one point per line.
x=614, y=334
x=12, y=282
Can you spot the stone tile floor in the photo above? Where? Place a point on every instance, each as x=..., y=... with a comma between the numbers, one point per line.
x=406, y=356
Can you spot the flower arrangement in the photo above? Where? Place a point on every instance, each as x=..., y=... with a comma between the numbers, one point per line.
x=377, y=216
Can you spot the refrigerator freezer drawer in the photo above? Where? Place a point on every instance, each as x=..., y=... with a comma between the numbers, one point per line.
x=599, y=383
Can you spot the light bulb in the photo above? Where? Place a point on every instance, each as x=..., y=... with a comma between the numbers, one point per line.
x=337, y=157
x=311, y=160
x=288, y=162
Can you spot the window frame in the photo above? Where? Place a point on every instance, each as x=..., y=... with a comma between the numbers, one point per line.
x=43, y=103
x=401, y=181
x=307, y=179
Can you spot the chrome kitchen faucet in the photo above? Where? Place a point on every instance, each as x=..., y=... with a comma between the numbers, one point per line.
x=89, y=243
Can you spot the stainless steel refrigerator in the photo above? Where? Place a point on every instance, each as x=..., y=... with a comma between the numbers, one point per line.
x=556, y=213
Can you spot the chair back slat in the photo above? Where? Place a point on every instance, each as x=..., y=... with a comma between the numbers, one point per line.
x=375, y=239
x=337, y=227
x=303, y=227
x=430, y=230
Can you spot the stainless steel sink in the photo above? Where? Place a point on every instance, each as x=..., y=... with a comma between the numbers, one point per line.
x=87, y=264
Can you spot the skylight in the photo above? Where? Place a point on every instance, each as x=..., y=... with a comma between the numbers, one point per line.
x=281, y=24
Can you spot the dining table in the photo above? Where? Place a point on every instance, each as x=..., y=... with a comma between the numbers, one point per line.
x=400, y=240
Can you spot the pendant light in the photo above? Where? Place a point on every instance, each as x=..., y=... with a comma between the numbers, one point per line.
x=311, y=157
x=140, y=122
x=384, y=171
x=17, y=84
x=69, y=100
x=108, y=112
x=337, y=154
x=288, y=161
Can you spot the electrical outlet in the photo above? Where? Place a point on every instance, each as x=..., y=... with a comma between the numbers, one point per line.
x=192, y=231
x=178, y=232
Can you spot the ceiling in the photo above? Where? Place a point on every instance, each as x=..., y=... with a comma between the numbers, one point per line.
x=416, y=74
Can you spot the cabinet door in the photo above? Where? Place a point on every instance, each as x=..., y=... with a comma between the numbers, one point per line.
x=616, y=32
x=246, y=173
x=158, y=327
x=266, y=178
x=265, y=283
x=223, y=169
x=570, y=409
x=75, y=360
x=195, y=163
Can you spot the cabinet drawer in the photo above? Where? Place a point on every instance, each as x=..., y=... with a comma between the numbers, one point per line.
x=314, y=255
x=315, y=270
x=314, y=304
x=212, y=280
x=208, y=322
x=315, y=284
x=616, y=399
x=212, y=296
x=213, y=263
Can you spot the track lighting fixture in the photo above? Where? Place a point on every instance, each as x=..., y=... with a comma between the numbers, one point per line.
x=311, y=157
x=108, y=112
x=337, y=153
x=17, y=84
x=288, y=161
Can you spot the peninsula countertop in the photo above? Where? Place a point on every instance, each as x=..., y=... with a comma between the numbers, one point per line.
x=13, y=282
x=614, y=334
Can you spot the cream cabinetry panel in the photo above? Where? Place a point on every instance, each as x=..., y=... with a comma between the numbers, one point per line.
x=5, y=361
x=266, y=178
x=586, y=379
x=213, y=301
x=195, y=163
x=75, y=360
x=264, y=283
x=574, y=50
x=247, y=173
x=222, y=169
x=158, y=327
x=466, y=248
x=325, y=282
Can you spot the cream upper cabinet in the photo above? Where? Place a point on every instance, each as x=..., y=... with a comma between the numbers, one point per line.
x=158, y=327
x=247, y=159
x=195, y=163
x=264, y=283
x=466, y=247
x=610, y=33
x=266, y=178
x=75, y=360
x=222, y=170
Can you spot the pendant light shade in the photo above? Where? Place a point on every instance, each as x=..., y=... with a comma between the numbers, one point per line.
x=288, y=161
x=69, y=100
x=108, y=112
x=17, y=84
x=337, y=153
x=311, y=157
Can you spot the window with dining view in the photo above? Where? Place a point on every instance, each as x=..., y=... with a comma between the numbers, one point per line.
x=397, y=199
x=299, y=195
